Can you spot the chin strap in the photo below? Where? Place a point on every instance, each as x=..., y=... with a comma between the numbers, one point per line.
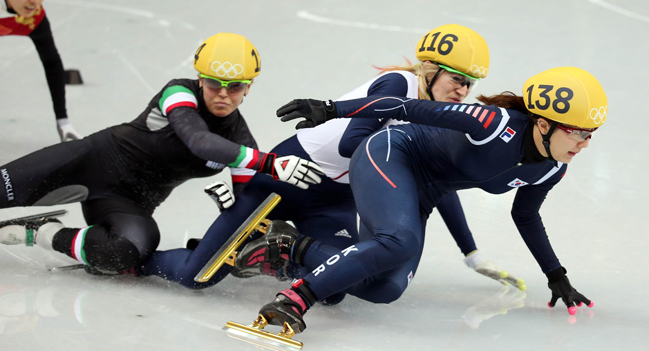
x=429, y=86
x=546, y=141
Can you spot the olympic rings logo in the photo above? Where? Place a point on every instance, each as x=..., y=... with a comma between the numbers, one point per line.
x=479, y=71
x=226, y=69
x=599, y=115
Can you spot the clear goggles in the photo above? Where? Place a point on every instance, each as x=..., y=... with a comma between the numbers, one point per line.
x=577, y=134
x=233, y=86
x=459, y=78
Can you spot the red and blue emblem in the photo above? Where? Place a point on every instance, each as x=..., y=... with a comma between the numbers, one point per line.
x=507, y=135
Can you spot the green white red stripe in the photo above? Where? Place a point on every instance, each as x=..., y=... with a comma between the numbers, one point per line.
x=176, y=96
x=248, y=158
x=78, y=253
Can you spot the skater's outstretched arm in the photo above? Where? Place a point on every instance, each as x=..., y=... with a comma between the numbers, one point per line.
x=451, y=211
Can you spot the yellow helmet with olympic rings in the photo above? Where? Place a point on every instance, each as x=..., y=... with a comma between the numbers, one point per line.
x=227, y=56
x=456, y=47
x=567, y=95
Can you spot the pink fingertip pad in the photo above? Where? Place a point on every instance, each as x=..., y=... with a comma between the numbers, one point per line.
x=579, y=304
x=549, y=305
x=572, y=310
x=591, y=304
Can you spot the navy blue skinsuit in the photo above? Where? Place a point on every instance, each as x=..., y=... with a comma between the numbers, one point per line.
x=399, y=174
x=322, y=211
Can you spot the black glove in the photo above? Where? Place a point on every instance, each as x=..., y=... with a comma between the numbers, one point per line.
x=560, y=285
x=314, y=111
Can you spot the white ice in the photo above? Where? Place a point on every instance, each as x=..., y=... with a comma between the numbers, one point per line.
x=127, y=50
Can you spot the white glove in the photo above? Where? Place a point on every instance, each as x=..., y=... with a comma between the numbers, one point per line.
x=66, y=130
x=293, y=170
x=489, y=269
x=221, y=193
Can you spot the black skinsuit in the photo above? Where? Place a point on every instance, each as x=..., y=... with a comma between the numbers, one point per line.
x=121, y=174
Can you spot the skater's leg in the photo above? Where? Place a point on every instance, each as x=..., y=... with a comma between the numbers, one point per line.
x=388, y=286
x=54, y=175
x=182, y=265
x=387, y=203
x=121, y=235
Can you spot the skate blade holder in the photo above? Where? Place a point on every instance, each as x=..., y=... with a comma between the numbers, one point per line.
x=255, y=334
x=228, y=252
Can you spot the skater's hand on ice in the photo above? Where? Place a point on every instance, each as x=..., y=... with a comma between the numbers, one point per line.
x=292, y=169
x=66, y=130
x=560, y=285
x=315, y=112
x=221, y=193
x=489, y=269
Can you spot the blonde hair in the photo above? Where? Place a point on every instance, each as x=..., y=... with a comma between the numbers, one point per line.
x=419, y=69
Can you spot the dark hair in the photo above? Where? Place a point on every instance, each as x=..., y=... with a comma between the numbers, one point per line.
x=506, y=100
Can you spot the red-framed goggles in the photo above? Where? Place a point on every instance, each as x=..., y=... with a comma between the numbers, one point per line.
x=233, y=86
x=577, y=134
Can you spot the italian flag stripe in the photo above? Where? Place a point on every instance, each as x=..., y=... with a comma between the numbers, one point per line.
x=78, y=253
x=241, y=178
x=176, y=96
x=247, y=158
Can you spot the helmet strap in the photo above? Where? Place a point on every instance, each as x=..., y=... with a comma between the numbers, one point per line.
x=429, y=86
x=546, y=141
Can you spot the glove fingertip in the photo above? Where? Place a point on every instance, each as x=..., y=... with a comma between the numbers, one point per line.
x=572, y=310
x=579, y=304
x=591, y=304
x=550, y=304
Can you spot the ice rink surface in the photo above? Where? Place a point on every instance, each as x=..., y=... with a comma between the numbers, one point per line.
x=126, y=52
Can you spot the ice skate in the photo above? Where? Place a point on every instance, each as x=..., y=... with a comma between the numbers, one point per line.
x=275, y=245
x=228, y=252
x=24, y=230
x=286, y=311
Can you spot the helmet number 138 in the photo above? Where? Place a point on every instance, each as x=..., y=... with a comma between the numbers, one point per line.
x=560, y=103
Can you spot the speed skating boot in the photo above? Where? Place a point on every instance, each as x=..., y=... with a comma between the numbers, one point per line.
x=289, y=306
x=29, y=232
x=282, y=242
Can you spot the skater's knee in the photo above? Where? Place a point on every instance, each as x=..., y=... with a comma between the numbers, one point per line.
x=115, y=254
x=387, y=293
x=402, y=244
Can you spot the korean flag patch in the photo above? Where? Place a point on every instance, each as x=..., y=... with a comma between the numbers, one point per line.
x=517, y=183
x=507, y=135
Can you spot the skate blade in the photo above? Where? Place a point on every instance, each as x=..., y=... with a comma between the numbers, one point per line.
x=227, y=253
x=52, y=214
x=67, y=268
x=255, y=335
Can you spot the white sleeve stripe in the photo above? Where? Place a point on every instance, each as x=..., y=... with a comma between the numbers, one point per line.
x=549, y=174
x=176, y=98
x=242, y=171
